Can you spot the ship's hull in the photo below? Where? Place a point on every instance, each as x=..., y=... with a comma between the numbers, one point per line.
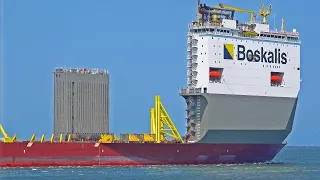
x=239, y=119
x=20, y=154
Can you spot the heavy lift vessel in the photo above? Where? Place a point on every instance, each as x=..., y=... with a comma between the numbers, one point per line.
x=228, y=92
x=129, y=149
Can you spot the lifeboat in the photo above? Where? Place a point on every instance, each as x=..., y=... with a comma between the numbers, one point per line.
x=215, y=74
x=276, y=78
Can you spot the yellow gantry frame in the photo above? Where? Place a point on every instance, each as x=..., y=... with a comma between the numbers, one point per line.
x=159, y=118
x=262, y=12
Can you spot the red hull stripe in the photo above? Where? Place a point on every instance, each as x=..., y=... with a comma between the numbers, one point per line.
x=86, y=154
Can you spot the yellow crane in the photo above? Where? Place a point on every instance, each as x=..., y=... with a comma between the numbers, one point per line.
x=265, y=13
x=251, y=12
x=7, y=139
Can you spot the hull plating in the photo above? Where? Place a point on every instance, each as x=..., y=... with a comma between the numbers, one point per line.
x=239, y=119
x=87, y=154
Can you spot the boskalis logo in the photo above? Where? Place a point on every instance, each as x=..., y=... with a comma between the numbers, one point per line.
x=228, y=51
x=256, y=55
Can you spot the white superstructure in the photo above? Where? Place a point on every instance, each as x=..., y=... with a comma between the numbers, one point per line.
x=246, y=63
x=240, y=77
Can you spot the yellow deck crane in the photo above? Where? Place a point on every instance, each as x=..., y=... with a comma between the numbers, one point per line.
x=159, y=118
x=251, y=12
x=265, y=13
x=7, y=139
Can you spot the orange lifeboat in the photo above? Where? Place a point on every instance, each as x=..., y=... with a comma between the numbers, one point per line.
x=276, y=78
x=215, y=74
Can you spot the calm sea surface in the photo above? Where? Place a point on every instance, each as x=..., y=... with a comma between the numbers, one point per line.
x=291, y=163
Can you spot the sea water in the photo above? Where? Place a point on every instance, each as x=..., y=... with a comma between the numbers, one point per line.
x=291, y=163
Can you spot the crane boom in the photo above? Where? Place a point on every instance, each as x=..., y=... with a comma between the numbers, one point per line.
x=251, y=12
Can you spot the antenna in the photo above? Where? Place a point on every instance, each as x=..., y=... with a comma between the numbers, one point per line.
x=282, y=25
x=274, y=21
x=198, y=15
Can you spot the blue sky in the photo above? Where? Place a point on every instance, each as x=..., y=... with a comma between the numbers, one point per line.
x=142, y=44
